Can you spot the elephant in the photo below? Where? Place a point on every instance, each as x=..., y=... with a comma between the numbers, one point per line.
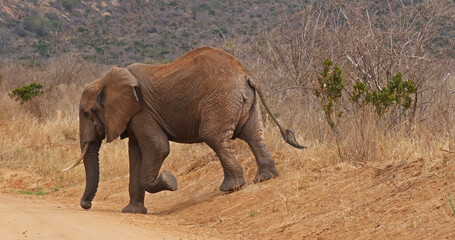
x=206, y=95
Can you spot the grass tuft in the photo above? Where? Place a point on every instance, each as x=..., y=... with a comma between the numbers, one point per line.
x=252, y=213
x=37, y=193
x=451, y=203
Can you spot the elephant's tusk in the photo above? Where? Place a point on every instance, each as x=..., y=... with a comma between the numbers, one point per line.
x=78, y=161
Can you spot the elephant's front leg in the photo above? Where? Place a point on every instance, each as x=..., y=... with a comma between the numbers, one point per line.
x=137, y=192
x=154, y=145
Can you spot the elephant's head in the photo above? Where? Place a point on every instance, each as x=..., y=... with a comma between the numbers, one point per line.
x=106, y=107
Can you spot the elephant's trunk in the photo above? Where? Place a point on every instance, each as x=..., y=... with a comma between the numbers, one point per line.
x=92, y=173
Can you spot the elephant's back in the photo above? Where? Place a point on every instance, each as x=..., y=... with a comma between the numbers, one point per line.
x=203, y=80
x=211, y=64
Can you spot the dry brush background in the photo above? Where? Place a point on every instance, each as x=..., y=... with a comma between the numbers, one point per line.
x=377, y=176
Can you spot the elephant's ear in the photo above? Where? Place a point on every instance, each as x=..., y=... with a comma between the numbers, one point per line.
x=119, y=101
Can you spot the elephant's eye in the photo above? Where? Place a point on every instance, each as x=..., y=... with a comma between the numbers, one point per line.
x=85, y=114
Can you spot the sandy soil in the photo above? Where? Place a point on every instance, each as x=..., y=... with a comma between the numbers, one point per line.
x=24, y=217
x=405, y=199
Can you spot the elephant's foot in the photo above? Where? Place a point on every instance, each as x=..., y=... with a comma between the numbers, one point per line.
x=166, y=181
x=135, y=207
x=232, y=184
x=265, y=174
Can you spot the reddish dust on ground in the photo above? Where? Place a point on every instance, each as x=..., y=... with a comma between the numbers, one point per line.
x=25, y=217
x=402, y=200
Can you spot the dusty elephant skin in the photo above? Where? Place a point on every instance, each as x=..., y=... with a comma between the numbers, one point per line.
x=206, y=95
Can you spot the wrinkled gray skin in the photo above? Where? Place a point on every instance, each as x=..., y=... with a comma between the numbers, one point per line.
x=207, y=95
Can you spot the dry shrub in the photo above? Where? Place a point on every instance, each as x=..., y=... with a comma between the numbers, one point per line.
x=371, y=43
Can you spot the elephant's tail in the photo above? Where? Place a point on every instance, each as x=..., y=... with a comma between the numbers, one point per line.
x=288, y=135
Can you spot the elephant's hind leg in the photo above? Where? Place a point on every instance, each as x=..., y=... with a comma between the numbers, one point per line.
x=219, y=117
x=252, y=133
x=233, y=172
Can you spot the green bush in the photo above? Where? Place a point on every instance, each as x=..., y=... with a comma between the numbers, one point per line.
x=42, y=48
x=220, y=31
x=99, y=49
x=82, y=29
x=396, y=92
x=164, y=52
x=29, y=61
x=26, y=93
x=68, y=4
x=53, y=16
x=38, y=25
x=185, y=34
x=329, y=89
x=11, y=23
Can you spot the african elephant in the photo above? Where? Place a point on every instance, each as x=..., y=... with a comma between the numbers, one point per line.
x=206, y=95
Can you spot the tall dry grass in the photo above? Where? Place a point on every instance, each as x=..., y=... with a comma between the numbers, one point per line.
x=41, y=136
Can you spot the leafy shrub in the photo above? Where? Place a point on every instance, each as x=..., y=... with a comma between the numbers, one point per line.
x=185, y=47
x=99, y=49
x=329, y=89
x=220, y=31
x=396, y=92
x=82, y=29
x=185, y=34
x=42, y=48
x=151, y=30
x=68, y=4
x=26, y=93
x=164, y=52
x=53, y=16
x=203, y=6
x=38, y=25
x=11, y=23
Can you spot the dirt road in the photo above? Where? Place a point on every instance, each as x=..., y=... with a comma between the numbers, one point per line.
x=23, y=217
x=402, y=200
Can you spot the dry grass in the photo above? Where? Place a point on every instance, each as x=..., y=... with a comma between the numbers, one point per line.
x=41, y=136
